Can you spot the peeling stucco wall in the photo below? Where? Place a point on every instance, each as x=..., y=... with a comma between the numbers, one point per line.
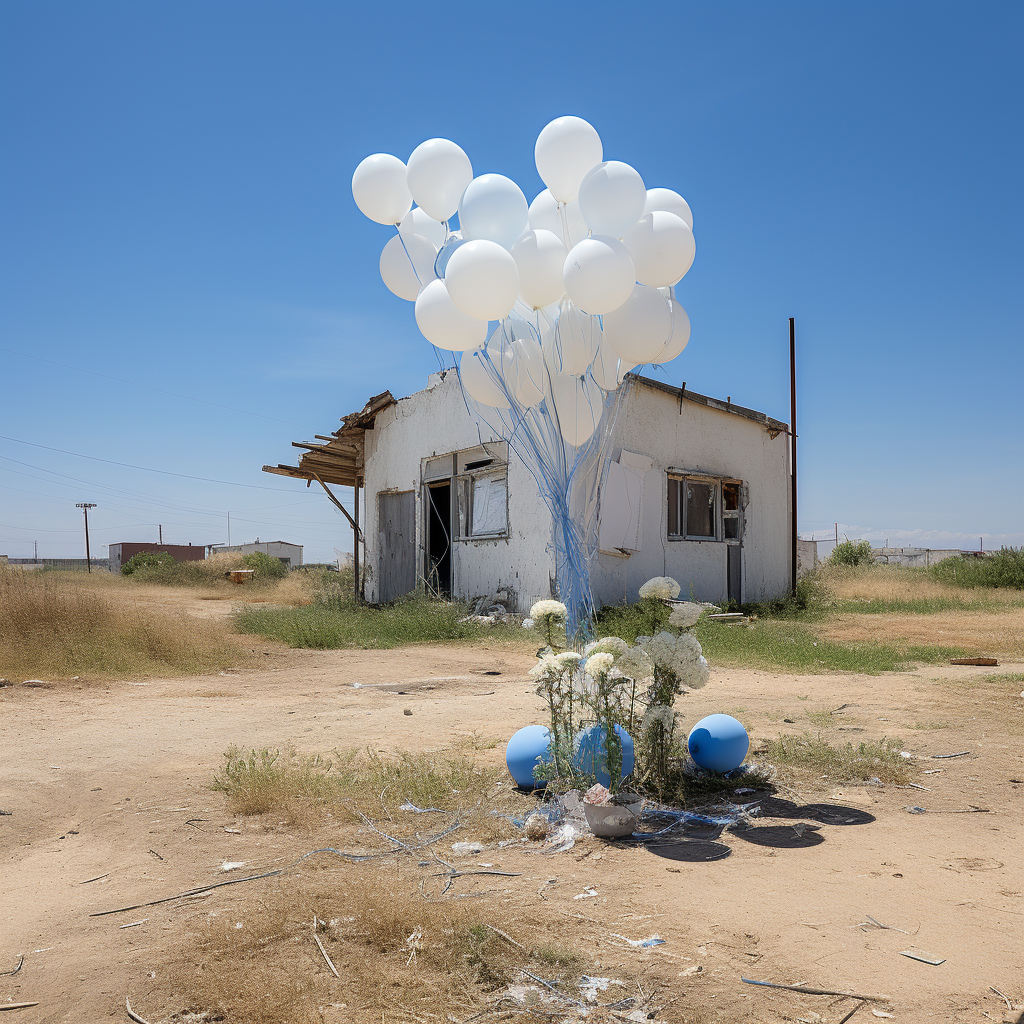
x=678, y=436
x=436, y=422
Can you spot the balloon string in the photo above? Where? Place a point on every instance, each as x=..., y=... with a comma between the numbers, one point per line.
x=419, y=281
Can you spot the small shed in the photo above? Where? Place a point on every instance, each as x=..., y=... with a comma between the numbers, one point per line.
x=118, y=554
x=696, y=488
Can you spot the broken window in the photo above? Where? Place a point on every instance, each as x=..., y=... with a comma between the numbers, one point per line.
x=731, y=509
x=693, y=508
x=489, y=505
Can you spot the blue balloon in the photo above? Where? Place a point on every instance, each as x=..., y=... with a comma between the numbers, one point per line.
x=718, y=743
x=522, y=753
x=591, y=758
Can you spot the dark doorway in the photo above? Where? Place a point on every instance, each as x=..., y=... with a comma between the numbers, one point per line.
x=439, y=538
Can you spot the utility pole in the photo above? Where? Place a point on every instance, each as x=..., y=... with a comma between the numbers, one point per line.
x=85, y=506
x=792, y=428
x=229, y=529
x=160, y=527
x=35, y=551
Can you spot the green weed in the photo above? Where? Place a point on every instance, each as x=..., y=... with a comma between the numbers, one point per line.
x=812, y=756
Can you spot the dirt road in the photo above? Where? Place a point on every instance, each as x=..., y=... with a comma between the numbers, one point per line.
x=111, y=782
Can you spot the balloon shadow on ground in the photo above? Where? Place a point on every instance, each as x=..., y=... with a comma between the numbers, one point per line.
x=691, y=851
x=779, y=837
x=826, y=814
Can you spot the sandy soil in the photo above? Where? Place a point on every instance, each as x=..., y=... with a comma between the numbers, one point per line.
x=114, y=781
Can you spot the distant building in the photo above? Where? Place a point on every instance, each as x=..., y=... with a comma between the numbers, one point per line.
x=286, y=553
x=121, y=553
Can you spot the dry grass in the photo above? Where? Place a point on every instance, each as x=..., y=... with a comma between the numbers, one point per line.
x=814, y=759
x=895, y=585
x=55, y=625
x=306, y=789
x=403, y=953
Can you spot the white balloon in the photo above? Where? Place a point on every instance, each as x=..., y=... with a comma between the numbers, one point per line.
x=407, y=264
x=566, y=149
x=438, y=174
x=445, y=325
x=493, y=207
x=540, y=257
x=579, y=405
x=544, y=213
x=680, y=333
x=477, y=372
x=418, y=222
x=609, y=368
x=570, y=344
x=669, y=201
x=662, y=247
x=639, y=329
x=528, y=375
x=380, y=190
x=451, y=243
x=483, y=279
x=612, y=198
x=599, y=274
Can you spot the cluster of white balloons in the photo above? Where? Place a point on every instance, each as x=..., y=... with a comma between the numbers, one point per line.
x=581, y=279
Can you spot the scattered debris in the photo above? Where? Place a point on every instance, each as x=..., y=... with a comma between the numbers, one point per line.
x=414, y=943
x=817, y=991
x=410, y=806
x=962, y=753
x=846, y=1018
x=587, y=892
x=10, y=974
x=96, y=879
x=1009, y=1005
x=882, y=1013
x=507, y=938
x=589, y=987
x=925, y=958
x=155, y=854
x=916, y=785
x=915, y=810
x=22, y=1006
x=537, y=827
x=654, y=940
x=134, y=924
x=320, y=946
x=840, y=708
x=233, y=831
x=988, y=662
x=407, y=712
x=878, y=924
x=131, y=1013
x=467, y=848
x=232, y=865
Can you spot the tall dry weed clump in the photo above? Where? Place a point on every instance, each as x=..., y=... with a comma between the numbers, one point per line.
x=55, y=625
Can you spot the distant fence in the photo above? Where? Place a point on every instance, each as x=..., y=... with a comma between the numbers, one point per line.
x=59, y=563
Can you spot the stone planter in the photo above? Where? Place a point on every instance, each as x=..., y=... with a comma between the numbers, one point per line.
x=610, y=821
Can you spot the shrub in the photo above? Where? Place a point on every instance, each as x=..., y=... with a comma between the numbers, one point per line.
x=265, y=567
x=853, y=553
x=1004, y=568
x=147, y=560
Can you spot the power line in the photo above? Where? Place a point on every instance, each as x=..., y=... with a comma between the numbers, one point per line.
x=145, y=469
x=162, y=391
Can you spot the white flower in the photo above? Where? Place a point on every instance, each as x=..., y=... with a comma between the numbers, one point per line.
x=599, y=664
x=635, y=664
x=612, y=645
x=527, y=623
x=686, y=614
x=544, y=610
x=663, y=587
x=681, y=655
x=567, y=660
x=546, y=665
x=660, y=715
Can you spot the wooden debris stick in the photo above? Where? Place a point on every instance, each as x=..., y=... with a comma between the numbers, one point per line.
x=135, y=924
x=988, y=662
x=86, y=881
x=507, y=938
x=330, y=963
x=1009, y=1005
x=940, y=757
x=887, y=927
x=817, y=991
x=131, y=1013
x=18, y=1006
x=851, y=1013
x=188, y=892
x=10, y=974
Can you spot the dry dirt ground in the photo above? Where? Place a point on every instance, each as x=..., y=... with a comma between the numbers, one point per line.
x=113, y=780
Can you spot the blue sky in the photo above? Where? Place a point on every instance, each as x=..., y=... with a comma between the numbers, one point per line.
x=176, y=212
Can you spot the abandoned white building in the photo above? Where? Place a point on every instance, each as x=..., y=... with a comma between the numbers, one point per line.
x=697, y=489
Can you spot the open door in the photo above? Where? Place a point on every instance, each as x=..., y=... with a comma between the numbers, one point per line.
x=438, y=515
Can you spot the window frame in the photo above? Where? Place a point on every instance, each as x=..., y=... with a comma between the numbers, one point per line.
x=678, y=479
x=464, y=493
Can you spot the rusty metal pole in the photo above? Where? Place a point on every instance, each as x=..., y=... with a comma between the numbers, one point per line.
x=85, y=506
x=792, y=428
x=355, y=542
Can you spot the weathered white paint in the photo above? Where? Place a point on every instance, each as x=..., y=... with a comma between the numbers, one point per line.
x=681, y=437
x=436, y=422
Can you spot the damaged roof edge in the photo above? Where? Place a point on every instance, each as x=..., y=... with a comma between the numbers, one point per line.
x=713, y=403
